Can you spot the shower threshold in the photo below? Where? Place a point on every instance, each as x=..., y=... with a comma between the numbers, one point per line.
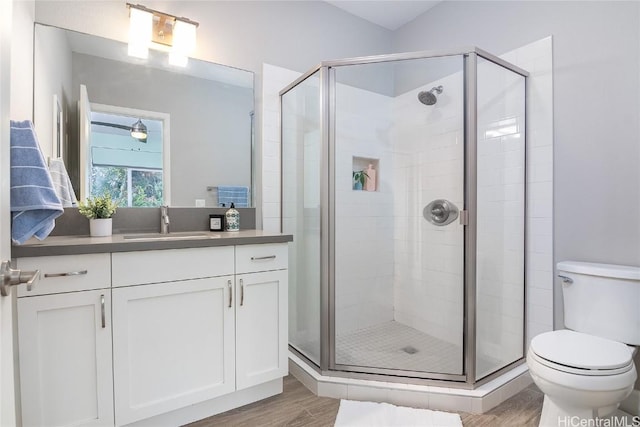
x=476, y=401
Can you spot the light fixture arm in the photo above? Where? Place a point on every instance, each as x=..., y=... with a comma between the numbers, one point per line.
x=148, y=26
x=163, y=14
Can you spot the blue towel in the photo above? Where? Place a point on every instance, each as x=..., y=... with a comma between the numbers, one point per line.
x=34, y=202
x=238, y=195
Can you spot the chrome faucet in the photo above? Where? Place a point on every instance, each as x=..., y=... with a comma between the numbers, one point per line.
x=164, y=219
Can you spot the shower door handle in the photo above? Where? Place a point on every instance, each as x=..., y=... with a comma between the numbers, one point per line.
x=440, y=212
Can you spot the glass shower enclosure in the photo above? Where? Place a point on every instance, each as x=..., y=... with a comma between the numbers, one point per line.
x=404, y=185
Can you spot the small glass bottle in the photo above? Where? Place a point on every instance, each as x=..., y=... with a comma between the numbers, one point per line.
x=232, y=219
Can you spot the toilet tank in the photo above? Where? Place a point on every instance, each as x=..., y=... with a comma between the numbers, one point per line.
x=602, y=300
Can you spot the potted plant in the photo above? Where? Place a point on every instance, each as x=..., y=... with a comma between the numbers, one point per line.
x=99, y=210
x=359, y=178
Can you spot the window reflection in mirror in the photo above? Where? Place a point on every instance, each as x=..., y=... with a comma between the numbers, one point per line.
x=209, y=106
x=125, y=165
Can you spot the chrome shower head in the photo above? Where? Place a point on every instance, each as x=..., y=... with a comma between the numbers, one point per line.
x=428, y=98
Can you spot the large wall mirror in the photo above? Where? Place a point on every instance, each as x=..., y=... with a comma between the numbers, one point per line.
x=196, y=143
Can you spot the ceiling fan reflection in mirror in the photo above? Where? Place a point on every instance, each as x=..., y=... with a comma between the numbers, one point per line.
x=138, y=130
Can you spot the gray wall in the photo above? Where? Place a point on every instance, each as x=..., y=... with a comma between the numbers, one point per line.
x=596, y=62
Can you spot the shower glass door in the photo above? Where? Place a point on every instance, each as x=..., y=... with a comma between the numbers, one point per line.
x=301, y=164
x=397, y=147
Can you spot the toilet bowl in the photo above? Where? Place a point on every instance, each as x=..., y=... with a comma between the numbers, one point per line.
x=585, y=371
x=581, y=375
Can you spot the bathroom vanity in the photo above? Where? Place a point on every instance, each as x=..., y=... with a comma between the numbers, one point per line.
x=151, y=331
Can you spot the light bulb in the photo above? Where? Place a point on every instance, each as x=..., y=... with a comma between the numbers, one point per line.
x=140, y=27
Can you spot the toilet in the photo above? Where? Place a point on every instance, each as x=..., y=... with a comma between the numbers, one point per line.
x=587, y=369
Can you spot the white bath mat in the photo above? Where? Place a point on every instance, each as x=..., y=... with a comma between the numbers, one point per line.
x=371, y=414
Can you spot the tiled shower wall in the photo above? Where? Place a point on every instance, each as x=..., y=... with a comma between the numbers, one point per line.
x=428, y=160
x=500, y=217
x=537, y=58
x=274, y=80
x=364, y=219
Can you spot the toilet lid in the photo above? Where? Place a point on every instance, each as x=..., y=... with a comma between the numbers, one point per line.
x=578, y=350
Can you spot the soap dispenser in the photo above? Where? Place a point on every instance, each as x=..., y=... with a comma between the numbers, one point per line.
x=370, y=183
x=232, y=219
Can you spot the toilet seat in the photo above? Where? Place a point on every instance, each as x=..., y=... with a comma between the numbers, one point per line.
x=581, y=354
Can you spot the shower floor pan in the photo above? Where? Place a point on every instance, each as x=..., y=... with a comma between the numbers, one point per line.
x=393, y=345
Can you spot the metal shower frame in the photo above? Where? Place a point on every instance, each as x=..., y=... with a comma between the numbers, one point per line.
x=328, y=366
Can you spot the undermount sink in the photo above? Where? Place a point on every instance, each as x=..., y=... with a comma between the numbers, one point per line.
x=171, y=236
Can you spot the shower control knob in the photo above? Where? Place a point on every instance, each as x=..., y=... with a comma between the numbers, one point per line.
x=440, y=212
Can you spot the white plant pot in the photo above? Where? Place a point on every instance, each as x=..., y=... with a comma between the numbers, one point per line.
x=100, y=227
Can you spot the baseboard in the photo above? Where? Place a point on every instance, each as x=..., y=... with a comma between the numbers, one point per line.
x=212, y=407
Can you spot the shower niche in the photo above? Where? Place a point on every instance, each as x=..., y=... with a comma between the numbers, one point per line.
x=376, y=289
x=370, y=170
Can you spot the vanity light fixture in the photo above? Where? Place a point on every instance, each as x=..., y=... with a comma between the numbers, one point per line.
x=149, y=27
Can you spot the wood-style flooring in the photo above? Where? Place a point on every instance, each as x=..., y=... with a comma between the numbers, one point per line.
x=297, y=406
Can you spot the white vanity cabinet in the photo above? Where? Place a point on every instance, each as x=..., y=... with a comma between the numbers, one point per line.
x=155, y=337
x=64, y=340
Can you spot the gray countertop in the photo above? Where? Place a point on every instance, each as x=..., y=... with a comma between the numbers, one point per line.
x=75, y=245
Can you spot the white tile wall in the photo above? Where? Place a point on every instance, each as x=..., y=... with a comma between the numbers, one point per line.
x=500, y=239
x=274, y=79
x=428, y=160
x=537, y=58
x=364, y=219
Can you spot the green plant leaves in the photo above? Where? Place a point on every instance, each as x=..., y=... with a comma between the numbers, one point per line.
x=360, y=176
x=101, y=207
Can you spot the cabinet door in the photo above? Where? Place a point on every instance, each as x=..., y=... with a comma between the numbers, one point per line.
x=173, y=346
x=261, y=327
x=65, y=359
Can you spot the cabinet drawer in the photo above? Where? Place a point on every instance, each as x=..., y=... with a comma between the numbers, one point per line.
x=67, y=273
x=137, y=268
x=266, y=257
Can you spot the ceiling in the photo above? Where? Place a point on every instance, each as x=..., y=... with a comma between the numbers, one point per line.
x=390, y=14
